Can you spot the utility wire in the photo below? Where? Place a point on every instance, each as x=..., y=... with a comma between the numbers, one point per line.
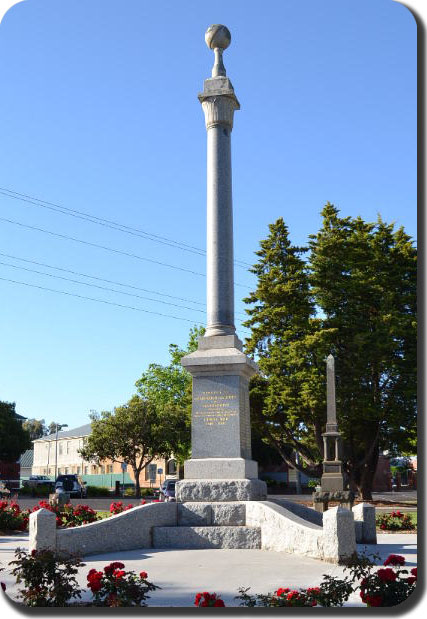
x=101, y=279
x=106, y=248
x=76, y=281
x=49, y=266
x=79, y=296
x=108, y=223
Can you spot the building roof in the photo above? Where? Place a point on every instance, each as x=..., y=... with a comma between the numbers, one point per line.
x=26, y=459
x=75, y=433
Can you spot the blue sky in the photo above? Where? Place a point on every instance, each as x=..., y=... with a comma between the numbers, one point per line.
x=100, y=114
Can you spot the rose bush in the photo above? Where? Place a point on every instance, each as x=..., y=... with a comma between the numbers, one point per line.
x=11, y=517
x=388, y=586
x=116, y=587
x=49, y=579
x=206, y=599
x=117, y=507
x=395, y=521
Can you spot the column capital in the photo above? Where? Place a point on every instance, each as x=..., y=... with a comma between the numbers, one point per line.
x=218, y=102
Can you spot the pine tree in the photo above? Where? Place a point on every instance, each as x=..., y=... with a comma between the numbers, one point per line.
x=287, y=401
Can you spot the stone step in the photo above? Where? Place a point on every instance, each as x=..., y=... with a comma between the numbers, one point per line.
x=207, y=537
x=216, y=514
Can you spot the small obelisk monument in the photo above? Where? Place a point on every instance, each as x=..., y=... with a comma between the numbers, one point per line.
x=221, y=468
x=332, y=478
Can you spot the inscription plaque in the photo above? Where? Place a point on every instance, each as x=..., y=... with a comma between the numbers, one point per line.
x=220, y=417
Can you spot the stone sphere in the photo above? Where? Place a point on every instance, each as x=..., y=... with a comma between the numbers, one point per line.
x=217, y=36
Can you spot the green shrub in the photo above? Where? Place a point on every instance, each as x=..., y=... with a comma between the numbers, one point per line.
x=49, y=580
x=94, y=491
x=148, y=491
x=129, y=491
x=312, y=483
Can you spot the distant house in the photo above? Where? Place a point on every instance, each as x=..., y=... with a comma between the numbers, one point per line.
x=62, y=457
x=26, y=463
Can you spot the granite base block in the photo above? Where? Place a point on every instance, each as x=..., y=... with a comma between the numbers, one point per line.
x=221, y=468
x=207, y=537
x=220, y=490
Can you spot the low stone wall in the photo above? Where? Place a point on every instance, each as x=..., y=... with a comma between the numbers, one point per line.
x=282, y=530
x=126, y=531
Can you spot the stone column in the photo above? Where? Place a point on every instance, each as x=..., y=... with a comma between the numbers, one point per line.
x=221, y=468
x=219, y=102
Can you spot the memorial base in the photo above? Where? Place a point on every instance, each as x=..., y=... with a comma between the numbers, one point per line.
x=220, y=490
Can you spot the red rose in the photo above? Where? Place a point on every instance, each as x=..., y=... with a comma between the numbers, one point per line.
x=282, y=591
x=386, y=575
x=395, y=560
x=414, y=572
x=143, y=575
x=33, y=552
x=411, y=580
x=95, y=585
x=374, y=600
x=204, y=603
x=119, y=574
x=219, y=603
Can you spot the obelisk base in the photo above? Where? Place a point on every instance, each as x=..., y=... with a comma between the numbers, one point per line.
x=220, y=490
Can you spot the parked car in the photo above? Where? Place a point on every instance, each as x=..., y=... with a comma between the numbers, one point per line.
x=167, y=490
x=72, y=484
x=38, y=480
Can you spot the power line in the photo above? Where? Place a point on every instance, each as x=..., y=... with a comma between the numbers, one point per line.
x=108, y=223
x=49, y=266
x=75, y=281
x=106, y=248
x=79, y=296
x=108, y=281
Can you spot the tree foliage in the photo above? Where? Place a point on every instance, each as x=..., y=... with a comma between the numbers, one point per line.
x=14, y=440
x=353, y=296
x=169, y=388
x=35, y=427
x=134, y=433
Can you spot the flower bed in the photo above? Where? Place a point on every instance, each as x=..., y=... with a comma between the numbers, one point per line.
x=395, y=521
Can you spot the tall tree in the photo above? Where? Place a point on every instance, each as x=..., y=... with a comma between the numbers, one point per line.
x=35, y=427
x=364, y=281
x=134, y=433
x=14, y=440
x=169, y=388
x=354, y=297
x=288, y=400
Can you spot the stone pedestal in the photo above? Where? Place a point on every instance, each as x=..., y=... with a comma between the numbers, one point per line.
x=221, y=467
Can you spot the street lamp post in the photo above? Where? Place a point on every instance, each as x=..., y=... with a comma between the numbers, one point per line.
x=59, y=426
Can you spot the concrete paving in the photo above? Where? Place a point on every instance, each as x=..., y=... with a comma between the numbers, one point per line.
x=182, y=573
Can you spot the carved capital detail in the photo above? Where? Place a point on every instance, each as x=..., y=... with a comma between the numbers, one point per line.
x=219, y=110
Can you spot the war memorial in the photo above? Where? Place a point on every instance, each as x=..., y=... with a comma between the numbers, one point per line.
x=221, y=502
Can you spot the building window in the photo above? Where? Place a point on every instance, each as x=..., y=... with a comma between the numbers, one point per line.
x=102, y=470
x=68, y=447
x=171, y=467
x=50, y=471
x=60, y=448
x=78, y=470
x=59, y=472
x=86, y=470
x=151, y=472
x=66, y=470
x=94, y=471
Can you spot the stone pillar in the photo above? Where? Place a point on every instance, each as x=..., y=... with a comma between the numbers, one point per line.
x=42, y=528
x=365, y=514
x=339, y=538
x=219, y=103
x=221, y=468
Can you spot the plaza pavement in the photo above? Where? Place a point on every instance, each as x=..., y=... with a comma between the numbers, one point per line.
x=182, y=573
